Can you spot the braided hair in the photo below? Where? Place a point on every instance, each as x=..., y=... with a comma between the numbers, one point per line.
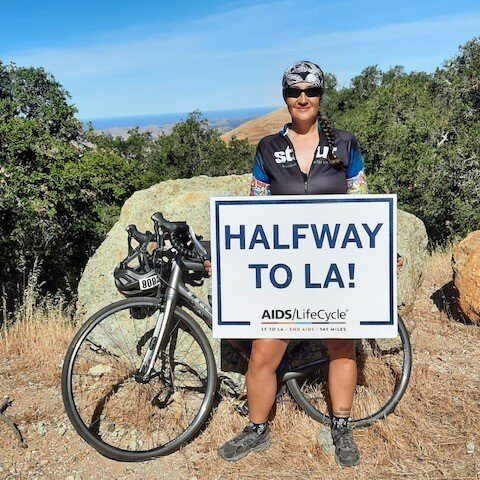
x=327, y=127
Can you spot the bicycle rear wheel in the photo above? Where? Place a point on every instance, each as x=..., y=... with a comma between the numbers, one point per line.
x=383, y=371
x=122, y=417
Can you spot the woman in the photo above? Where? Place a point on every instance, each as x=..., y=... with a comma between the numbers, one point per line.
x=307, y=156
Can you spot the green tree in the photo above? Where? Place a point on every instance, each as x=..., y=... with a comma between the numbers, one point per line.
x=194, y=149
x=419, y=135
x=58, y=193
x=62, y=188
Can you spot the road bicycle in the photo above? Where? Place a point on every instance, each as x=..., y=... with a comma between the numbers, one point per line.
x=139, y=378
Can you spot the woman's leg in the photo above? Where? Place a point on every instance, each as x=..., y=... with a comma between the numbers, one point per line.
x=265, y=357
x=342, y=378
x=342, y=375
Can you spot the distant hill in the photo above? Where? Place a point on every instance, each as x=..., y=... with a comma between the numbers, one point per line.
x=257, y=128
x=222, y=124
x=221, y=120
x=252, y=129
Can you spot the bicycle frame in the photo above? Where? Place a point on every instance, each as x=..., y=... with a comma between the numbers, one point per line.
x=175, y=288
x=177, y=293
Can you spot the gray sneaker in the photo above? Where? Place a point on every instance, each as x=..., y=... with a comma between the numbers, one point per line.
x=249, y=440
x=346, y=452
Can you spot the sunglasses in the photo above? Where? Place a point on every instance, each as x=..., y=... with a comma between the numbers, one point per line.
x=296, y=92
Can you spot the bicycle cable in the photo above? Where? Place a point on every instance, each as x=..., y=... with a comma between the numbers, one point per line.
x=177, y=244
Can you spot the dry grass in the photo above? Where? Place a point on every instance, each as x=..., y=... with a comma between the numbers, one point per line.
x=36, y=339
x=425, y=438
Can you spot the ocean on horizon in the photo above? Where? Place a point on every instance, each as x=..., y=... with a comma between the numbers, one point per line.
x=163, y=118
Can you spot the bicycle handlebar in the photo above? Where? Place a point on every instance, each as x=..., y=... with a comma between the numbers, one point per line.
x=198, y=253
x=174, y=232
x=159, y=219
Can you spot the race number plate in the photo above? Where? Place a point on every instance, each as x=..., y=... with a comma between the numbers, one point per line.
x=147, y=283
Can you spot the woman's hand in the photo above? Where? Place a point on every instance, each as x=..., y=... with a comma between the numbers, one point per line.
x=400, y=262
x=151, y=247
x=208, y=267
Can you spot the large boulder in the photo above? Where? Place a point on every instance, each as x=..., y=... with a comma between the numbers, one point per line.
x=466, y=275
x=412, y=242
x=188, y=199
x=182, y=199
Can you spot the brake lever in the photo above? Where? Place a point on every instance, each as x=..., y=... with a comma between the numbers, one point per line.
x=198, y=246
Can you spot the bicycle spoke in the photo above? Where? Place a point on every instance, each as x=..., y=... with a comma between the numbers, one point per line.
x=127, y=414
x=116, y=344
x=89, y=405
x=124, y=340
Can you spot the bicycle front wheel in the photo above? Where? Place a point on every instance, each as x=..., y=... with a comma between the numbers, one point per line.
x=121, y=416
x=383, y=371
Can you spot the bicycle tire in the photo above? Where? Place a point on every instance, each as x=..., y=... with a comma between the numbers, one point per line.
x=121, y=454
x=307, y=407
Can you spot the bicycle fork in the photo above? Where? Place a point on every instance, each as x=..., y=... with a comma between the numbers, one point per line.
x=163, y=320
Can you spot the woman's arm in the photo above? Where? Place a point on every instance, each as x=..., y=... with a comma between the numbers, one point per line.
x=358, y=183
x=258, y=187
x=260, y=182
x=356, y=178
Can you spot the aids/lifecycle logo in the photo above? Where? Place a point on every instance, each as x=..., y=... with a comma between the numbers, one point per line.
x=305, y=314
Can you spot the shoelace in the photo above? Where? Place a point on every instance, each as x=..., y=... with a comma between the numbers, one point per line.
x=245, y=436
x=344, y=440
x=244, y=433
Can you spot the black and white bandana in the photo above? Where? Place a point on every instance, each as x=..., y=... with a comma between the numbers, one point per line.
x=303, y=71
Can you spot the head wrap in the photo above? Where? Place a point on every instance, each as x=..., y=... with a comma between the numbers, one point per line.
x=304, y=71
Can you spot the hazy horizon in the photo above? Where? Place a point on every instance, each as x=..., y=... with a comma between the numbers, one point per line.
x=125, y=121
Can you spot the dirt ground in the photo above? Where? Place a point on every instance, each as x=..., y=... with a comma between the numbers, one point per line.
x=434, y=432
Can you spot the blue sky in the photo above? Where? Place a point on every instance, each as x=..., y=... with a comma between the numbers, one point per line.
x=133, y=58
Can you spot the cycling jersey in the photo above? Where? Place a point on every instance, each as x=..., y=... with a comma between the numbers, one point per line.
x=276, y=170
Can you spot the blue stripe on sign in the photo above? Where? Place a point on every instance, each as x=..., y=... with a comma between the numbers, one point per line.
x=390, y=235
x=219, y=290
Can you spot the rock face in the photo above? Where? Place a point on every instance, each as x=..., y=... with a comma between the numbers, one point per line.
x=188, y=199
x=466, y=275
x=182, y=199
x=412, y=242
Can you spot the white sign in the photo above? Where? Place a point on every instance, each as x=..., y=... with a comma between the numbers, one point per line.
x=304, y=266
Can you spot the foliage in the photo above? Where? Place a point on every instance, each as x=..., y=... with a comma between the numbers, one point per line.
x=58, y=193
x=193, y=149
x=420, y=138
